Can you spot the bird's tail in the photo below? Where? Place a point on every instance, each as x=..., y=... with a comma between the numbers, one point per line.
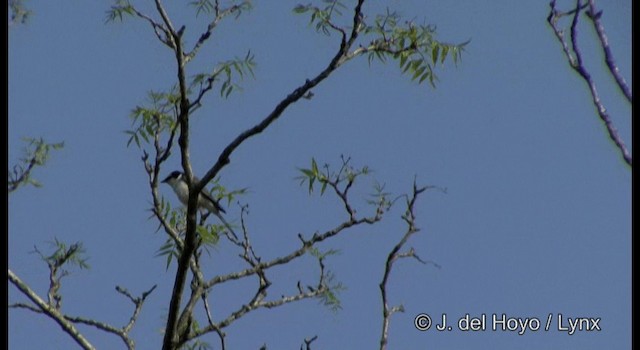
x=226, y=224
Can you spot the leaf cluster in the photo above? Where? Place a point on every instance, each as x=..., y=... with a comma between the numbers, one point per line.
x=413, y=46
x=332, y=289
x=326, y=177
x=19, y=13
x=159, y=117
x=208, y=7
x=224, y=72
x=36, y=153
x=63, y=254
x=321, y=17
x=119, y=10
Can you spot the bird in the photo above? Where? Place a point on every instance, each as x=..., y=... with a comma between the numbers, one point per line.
x=178, y=183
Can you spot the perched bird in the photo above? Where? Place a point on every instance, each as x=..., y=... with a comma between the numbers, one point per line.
x=178, y=182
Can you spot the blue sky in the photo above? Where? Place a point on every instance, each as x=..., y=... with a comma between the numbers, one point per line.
x=536, y=218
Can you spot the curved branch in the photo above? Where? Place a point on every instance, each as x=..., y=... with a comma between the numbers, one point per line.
x=157, y=28
x=394, y=255
x=575, y=60
x=50, y=311
x=613, y=68
x=293, y=97
x=165, y=17
x=219, y=15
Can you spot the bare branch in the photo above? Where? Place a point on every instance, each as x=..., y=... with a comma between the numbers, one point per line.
x=138, y=302
x=574, y=57
x=122, y=333
x=306, y=245
x=257, y=301
x=161, y=32
x=165, y=18
x=209, y=85
x=293, y=97
x=307, y=343
x=394, y=255
x=25, y=306
x=50, y=311
x=219, y=14
x=613, y=68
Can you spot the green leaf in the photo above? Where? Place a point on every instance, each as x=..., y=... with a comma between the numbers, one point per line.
x=417, y=73
x=117, y=11
x=202, y=6
x=407, y=67
x=434, y=54
x=300, y=9
x=455, y=53
x=223, y=88
x=209, y=234
x=168, y=250
x=324, y=187
x=403, y=59
x=311, y=180
x=424, y=76
x=228, y=92
x=307, y=172
x=134, y=134
x=445, y=51
x=169, y=257
x=401, y=42
x=35, y=183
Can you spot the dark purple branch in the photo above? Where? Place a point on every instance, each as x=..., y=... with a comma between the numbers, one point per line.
x=613, y=68
x=574, y=56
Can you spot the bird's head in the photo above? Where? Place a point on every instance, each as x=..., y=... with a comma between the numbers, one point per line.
x=173, y=178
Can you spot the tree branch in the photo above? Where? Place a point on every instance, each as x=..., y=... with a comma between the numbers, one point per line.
x=157, y=28
x=307, y=343
x=574, y=57
x=194, y=188
x=184, y=261
x=293, y=97
x=219, y=14
x=50, y=311
x=36, y=154
x=604, y=42
x=13, y=184
x=258, y=268
x=122, y=333
x=394, y=255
